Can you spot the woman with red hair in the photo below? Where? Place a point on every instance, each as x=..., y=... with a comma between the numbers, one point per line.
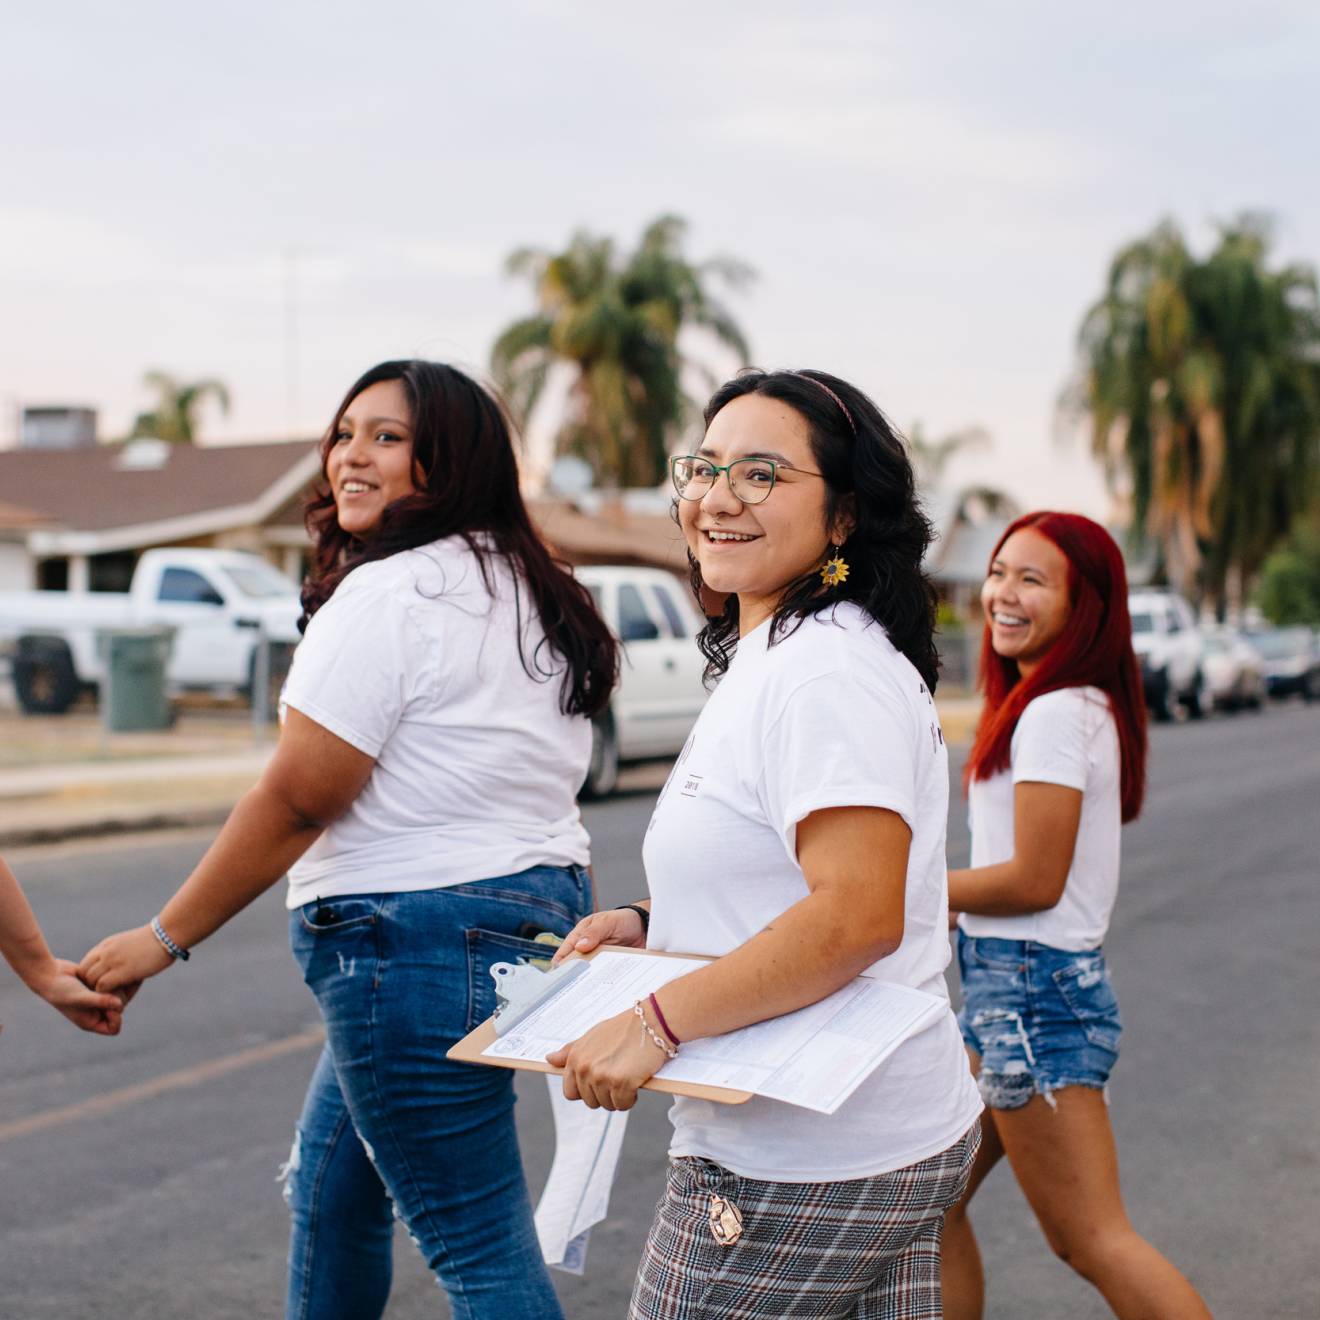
x=1058, y=766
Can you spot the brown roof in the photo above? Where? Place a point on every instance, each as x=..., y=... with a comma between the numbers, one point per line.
x=617, y=537
x=14, y=517
x=86, y=489
x=87, y=492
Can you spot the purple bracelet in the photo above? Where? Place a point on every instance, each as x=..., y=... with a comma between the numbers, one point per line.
x=660, y=1017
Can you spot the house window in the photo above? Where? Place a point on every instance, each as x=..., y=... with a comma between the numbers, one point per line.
x=52, y=575
x=113, y=572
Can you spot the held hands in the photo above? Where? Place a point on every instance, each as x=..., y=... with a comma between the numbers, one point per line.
x=605, y=1068
x=59, y=986
x=620, y=926
x=124, y=960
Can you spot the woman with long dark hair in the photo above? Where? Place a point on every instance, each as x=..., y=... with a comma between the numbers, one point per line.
x=799, y=843
x=1057, y=767
x=422, y=800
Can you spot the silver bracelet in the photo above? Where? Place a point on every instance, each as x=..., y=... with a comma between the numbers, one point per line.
x=670, y=1051
x=175, y=952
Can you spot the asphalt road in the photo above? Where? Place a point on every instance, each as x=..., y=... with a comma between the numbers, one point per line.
x=139, y=1174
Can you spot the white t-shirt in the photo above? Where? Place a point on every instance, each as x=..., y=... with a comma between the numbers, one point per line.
x=830, y=716
x=1064, y=737
x=414, y=662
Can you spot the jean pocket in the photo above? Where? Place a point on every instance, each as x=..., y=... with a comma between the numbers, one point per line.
x=485, y=948
x=321, y=918
x=1085, y=987
x=549, y=896
x=994, y=959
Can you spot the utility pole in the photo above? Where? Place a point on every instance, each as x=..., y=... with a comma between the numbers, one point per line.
x=291, y=401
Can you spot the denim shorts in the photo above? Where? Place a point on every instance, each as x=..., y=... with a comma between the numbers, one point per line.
x=1040, y=1018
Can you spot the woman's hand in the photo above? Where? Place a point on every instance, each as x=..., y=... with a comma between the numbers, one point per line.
x=618, y=926
x=59, y=986
x=124, y=960
x=605, y=1068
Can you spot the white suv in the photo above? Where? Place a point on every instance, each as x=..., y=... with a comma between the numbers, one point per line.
x=1169, y=648
x=660, y=692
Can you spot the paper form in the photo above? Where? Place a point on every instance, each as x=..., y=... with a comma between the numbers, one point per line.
x=577, y=1193
x=815, y=1057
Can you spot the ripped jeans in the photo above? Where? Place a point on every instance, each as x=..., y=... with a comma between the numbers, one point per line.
x=1041, y=1018
x=390, y=1127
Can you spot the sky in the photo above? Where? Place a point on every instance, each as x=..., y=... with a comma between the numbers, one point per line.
x=282, y=194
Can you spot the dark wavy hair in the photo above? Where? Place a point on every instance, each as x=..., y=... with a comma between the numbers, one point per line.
x=468, y=487
x=866, y=467
x=1094, y=650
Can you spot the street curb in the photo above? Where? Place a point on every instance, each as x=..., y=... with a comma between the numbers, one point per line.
x=105, y=826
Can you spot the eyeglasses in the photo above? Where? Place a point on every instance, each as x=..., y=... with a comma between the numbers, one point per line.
x=750, y=479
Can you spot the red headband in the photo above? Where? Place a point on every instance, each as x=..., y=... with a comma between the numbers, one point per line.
x=820, y=384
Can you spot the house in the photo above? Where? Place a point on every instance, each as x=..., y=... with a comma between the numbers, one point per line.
x=97, y=509
x=78, y=519
x=968, y=523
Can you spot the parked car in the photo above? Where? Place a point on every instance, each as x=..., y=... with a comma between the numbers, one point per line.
x=1169, y=649
x=660, y=692
x=1234, y=671
x=221, y=603
x=1292, y=661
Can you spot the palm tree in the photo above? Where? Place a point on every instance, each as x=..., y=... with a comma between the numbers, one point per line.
x=616, y=321
x=931, y=457
x=1202, y=382
x=174, y=418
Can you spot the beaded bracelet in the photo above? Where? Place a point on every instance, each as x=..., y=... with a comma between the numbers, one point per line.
x=175, y=952
x=670, y=1051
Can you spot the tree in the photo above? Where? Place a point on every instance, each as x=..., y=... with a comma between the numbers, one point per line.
x=174, y=418
x=616, y=322
x=931, y=457
x=1202, y=382
x=1289, y=590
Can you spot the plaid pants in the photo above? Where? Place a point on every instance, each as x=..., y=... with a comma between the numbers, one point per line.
x=865, y=1249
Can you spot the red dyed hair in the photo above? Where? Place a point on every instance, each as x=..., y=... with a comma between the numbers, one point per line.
x=1094, y=650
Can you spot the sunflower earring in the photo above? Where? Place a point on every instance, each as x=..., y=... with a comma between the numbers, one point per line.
x=835, y=570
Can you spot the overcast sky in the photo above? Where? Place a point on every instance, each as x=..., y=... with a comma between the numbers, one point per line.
x=930, y=193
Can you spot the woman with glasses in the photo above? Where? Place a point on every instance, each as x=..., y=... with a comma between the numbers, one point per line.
x=422, y=800
x=799, y=843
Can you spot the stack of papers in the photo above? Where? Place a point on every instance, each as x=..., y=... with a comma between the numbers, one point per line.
x=815, y=1057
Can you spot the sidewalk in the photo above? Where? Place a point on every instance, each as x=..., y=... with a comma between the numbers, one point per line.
x=63, y=778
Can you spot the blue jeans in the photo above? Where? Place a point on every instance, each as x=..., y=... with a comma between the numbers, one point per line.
x=1040, y=1018
x=390, y=1127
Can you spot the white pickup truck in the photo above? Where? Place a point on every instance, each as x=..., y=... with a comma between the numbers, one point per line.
x=220, y=603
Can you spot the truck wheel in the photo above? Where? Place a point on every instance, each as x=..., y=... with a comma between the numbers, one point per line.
x=603, y=771
x=1161, y=708
x=45, y=680
x=1198, y=701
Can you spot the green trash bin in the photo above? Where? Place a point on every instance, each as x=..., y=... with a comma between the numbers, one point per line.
x=133, y=697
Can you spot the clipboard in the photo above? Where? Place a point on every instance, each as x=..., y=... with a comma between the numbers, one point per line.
x=469, y=1049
